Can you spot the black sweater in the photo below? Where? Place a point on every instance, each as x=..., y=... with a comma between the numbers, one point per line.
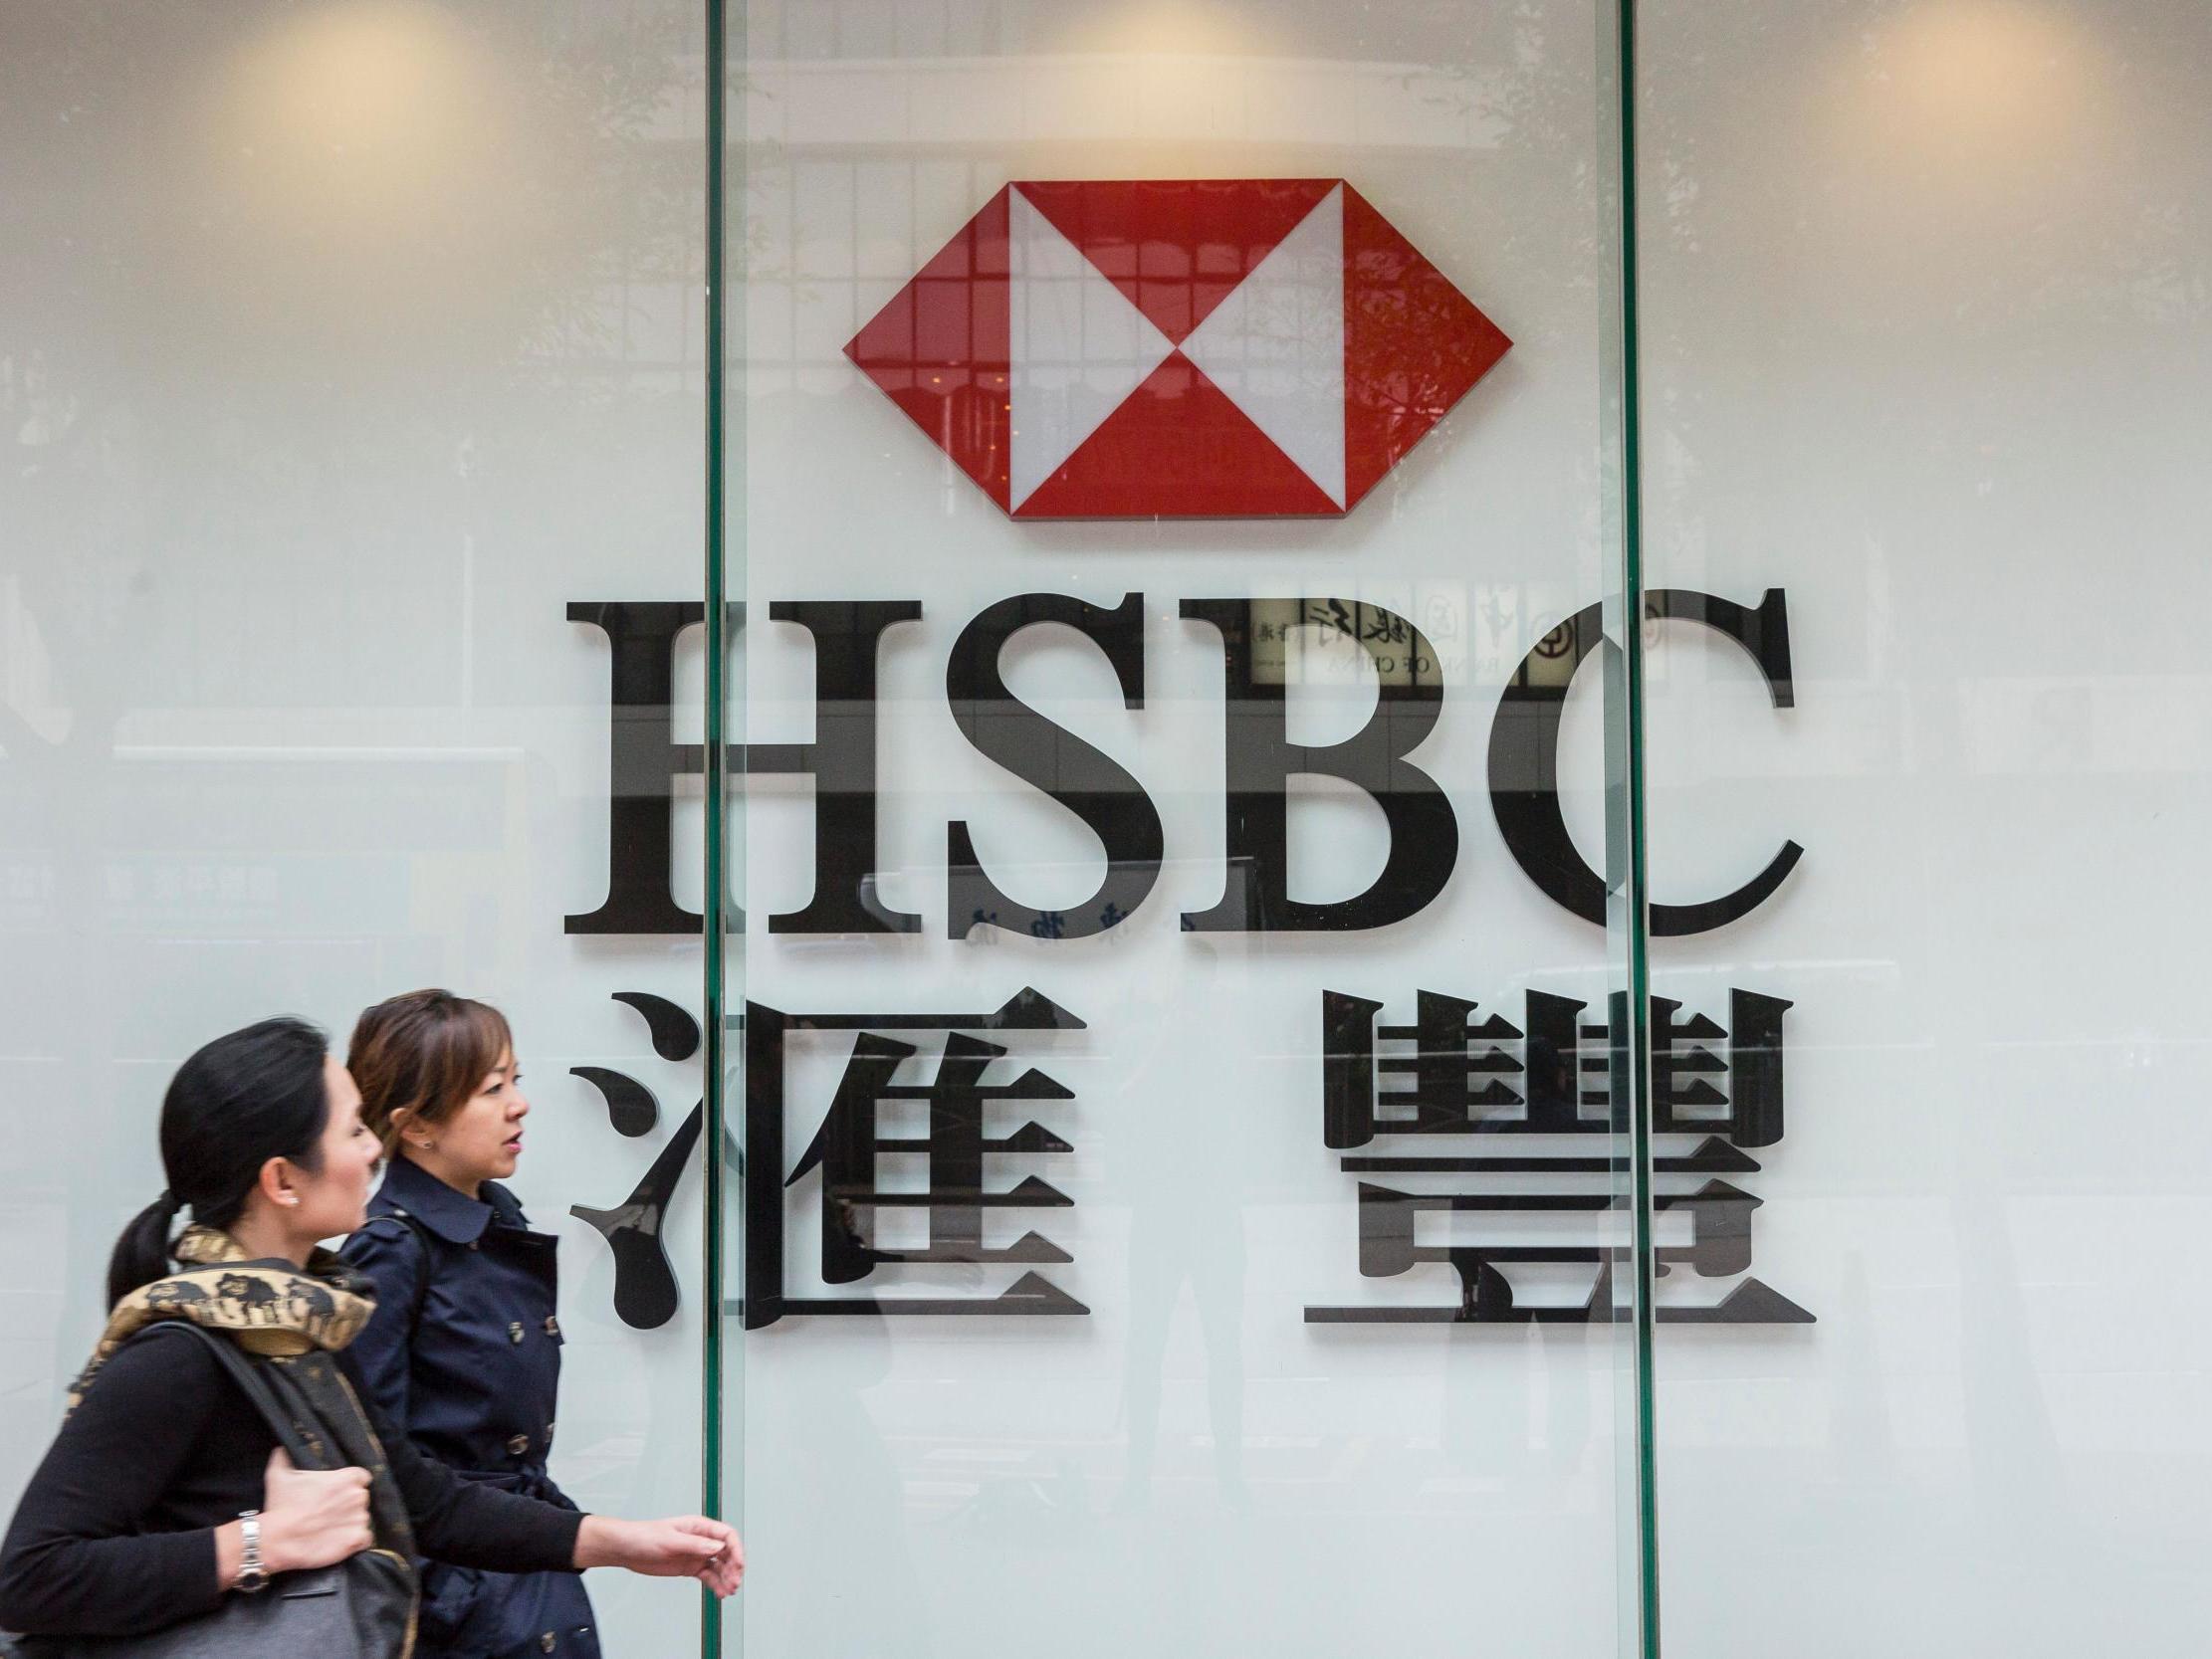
x=115, y=1534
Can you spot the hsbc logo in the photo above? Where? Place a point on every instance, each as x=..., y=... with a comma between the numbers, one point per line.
x=1178, y=348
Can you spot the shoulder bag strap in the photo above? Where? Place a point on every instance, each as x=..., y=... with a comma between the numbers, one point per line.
x=290, y=1435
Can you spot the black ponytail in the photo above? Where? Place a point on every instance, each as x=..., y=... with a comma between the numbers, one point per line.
x=141, y=1255
x=240, y=1101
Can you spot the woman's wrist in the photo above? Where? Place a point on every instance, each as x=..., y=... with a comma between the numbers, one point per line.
x=276, y=1553
x=598, y=1542
x=230, y=1553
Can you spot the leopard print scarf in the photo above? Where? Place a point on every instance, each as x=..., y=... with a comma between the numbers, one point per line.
x=272, y=1309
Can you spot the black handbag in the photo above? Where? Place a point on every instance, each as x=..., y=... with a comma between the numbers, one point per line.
x=363, y=1608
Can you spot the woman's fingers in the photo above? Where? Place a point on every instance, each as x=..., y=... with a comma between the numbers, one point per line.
x=726, y=1571
x=711, y=1537
x=314, y=1516
x=717, y=1555
x=723, y=1574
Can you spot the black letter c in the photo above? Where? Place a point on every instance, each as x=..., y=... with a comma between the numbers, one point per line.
x=1524, y=756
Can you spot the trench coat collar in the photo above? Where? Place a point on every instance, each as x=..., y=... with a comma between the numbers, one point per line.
x=453, y=1216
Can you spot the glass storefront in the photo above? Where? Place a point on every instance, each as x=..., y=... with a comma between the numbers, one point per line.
x=1926, y=300
x=1147, y=804
x=1448, y=752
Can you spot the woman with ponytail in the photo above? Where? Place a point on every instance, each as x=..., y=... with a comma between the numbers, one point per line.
x=166, y=1492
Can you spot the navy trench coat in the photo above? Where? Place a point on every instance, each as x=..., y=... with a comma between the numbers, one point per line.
x=464, y=1353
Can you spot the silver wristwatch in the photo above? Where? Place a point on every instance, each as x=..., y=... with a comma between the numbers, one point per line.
x=252, y=1575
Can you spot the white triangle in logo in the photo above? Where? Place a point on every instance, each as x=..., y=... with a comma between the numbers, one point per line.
x=1276, y=345
x=1079, y=347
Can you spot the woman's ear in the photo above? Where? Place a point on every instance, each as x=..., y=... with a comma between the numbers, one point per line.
x=279, y=1184
x=404, y=1132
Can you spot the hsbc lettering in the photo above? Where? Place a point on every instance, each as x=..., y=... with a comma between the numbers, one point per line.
x=645, y=763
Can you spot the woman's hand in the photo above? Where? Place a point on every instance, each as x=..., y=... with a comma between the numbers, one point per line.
x=681, y=1546
x=312, y=1517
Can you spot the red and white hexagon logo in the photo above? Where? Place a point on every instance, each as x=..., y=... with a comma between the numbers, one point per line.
x=1195, y=348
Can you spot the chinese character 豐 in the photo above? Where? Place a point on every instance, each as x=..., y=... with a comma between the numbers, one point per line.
x=1537, y=1200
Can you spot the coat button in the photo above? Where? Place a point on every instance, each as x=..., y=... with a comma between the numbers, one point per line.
x=517, y=1445
x=553, y=1326
x=515, y=1332
x=547, y=1642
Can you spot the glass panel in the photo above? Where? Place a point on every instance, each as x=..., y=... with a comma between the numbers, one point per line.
x=1628, y=1007
x=1179, y=1176
x=723, y=1628
x=346, y=351
x=1928, y=348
